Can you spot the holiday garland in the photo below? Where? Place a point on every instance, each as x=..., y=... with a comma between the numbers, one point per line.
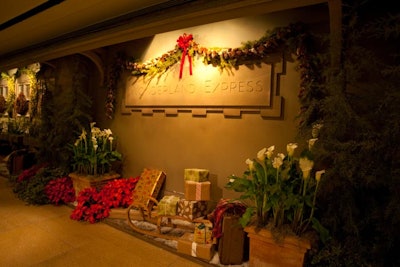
x=293, y=38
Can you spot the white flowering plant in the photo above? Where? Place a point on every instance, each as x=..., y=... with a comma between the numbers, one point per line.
x=94, y=152
x=281, y=190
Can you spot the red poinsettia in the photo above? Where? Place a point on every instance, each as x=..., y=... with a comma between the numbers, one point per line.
x=60, y=191
x=29, y=173
x=94, y=205
x=118, y=193
x=88, y=208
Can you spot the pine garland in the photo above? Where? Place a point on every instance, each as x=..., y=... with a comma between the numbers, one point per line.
x=293, y=39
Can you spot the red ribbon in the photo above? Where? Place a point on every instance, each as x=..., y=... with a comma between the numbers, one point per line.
x=184, y=42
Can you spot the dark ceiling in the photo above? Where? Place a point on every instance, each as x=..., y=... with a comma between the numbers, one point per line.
x=35, y=30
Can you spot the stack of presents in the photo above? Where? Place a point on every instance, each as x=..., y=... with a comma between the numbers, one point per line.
x=205, y=238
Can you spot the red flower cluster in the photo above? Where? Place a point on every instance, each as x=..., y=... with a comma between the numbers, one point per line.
x=60, y=191
x=29, y=173
x=88, y=208
x=95, y=205
x=118, y=193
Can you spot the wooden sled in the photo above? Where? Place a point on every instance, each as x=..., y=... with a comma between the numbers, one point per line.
x=144, y=203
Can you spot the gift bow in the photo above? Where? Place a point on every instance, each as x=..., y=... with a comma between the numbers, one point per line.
x=184, y=41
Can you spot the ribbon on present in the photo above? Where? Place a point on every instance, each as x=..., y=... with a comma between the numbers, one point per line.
x=198, y=191
x=194, y=249
x=184, y=41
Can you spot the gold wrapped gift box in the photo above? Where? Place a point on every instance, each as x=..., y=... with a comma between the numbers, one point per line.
x=203, y=232
x=188, y=247
x=197, y=190
x=192, y=209
x=196, y=175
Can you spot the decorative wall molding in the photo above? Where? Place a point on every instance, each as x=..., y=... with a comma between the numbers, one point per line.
x=269, y=106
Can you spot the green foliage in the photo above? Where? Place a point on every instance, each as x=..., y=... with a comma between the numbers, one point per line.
x=32, y=190
x=64, y=113
x=281, y=190
x=18, y=125
x=359, y=141
x=11, y=91
x=251, y=53
x=94, y=152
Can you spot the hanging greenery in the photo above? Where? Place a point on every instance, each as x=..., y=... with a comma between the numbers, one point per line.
x=3, y=104
x=22, y=104
x=294, y=39
x=34, y=93
x=11, y=91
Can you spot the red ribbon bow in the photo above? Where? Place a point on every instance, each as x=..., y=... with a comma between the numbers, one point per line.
x=184, y=42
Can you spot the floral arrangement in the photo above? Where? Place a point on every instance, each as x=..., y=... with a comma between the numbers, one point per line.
x=293, y=38
x=94, y=152
x=60, y=191
x=89, y=207
x=118, y=193
x=94, y=205
x=31, y=185
x=281, y=188
x=251, y=51
x=29, y=173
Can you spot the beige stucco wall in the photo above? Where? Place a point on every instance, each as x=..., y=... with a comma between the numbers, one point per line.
x=214, y=142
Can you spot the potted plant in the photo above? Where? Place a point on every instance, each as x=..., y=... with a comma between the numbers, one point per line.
x=280, y=192
x=94, y=158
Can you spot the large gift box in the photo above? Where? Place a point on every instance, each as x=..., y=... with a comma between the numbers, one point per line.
x=197, y=190
x=188, y=247
x=168, y=205
x=196, y=175
x=192, y=209
x=203, y=232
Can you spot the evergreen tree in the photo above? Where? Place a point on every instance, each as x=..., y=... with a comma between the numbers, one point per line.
x=359, y=141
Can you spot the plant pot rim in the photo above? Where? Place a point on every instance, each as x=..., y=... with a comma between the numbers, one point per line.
x=284, y=239
x=109, y=175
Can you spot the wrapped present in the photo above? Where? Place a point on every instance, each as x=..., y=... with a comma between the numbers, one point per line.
x=197, y=190
x=167, y=205
x=203, y=232
x=196, y=175
x=192, y=209
x=188, y=247
x=149, y=184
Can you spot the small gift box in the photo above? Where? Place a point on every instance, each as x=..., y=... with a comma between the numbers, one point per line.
x=192, y=209
x=203, y=232
x=197, y=190
x=196, y=175
x=168, y=205
x=187, y=246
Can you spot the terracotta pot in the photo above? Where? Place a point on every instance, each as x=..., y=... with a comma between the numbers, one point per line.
x=81, y=181
x=266, y=251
